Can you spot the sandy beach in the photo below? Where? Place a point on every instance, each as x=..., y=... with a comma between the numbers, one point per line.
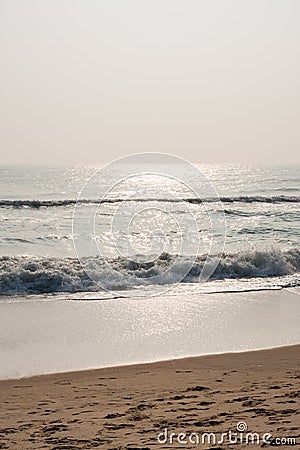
x=128, y=407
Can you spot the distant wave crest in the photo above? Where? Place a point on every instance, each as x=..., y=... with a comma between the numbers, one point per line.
x=67, y=202
x=20, y=275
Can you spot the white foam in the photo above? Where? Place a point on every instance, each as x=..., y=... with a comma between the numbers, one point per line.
x=34, y=275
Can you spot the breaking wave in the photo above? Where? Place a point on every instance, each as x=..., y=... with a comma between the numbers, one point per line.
x=22, y=275
x=67, y=202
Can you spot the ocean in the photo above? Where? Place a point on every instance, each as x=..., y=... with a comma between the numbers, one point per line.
x=161, y=237
x=120, y=265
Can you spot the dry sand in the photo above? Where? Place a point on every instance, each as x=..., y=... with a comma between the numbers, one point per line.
x=127, y=407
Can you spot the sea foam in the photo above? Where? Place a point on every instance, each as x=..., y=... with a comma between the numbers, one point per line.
x=20, y=275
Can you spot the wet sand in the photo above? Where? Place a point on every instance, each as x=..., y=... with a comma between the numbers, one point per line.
x=127, y=407
x=52, y=335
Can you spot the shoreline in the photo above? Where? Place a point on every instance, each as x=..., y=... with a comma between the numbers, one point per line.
x=149, y=363
x=126, y=407
x=91, y=296
x=56, y=337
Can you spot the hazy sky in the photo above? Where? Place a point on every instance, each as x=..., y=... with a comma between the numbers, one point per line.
x=86, y=81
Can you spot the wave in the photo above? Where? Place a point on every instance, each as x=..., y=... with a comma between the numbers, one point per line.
x=258, y=199
x=286, y=215
x=68, y=202
x=22, y=275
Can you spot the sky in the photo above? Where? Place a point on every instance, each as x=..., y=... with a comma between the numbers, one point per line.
x=88, y=81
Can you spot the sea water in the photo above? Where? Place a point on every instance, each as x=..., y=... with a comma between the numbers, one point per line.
x=260, y=205
x=141, y=297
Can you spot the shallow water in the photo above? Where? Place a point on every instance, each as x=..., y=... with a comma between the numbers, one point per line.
x=42, y=335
